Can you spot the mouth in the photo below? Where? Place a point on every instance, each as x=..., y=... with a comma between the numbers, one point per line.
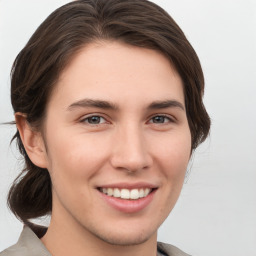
x=128, y=198
x=126, y=193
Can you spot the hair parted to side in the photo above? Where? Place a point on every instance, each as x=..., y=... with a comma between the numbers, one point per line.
x=67, y=30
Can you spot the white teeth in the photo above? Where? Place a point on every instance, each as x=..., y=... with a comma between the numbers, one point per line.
x=134, y=194
x=141, y=192
x=116, y=193
x=126, y=193
x=109, y=192
x=147, y=190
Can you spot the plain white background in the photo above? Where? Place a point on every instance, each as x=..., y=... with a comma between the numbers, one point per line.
x=216, y=213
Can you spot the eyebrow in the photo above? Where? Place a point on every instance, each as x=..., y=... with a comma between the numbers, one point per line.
x=108, y=105
x=92, y=103
x=166, y=104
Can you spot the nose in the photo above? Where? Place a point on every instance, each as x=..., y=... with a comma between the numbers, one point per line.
x=130, y=151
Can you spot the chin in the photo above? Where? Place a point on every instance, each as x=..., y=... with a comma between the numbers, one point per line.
x=124, y=239
x=120, y=235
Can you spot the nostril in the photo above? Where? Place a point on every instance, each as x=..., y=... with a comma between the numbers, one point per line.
x=131, y=165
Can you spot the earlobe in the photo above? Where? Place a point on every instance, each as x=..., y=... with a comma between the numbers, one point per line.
x=32, y=141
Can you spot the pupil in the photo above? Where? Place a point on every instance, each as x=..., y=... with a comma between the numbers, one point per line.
x=159, y=119
x=94, y=120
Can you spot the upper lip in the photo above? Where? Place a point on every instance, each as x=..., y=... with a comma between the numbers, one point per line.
x=129, y=185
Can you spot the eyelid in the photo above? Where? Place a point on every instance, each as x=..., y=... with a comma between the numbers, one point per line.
x=83, y=119
x=170, y=117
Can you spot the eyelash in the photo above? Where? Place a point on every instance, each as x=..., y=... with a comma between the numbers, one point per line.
x=166, y=117
x=86, y=119
x=169, y=118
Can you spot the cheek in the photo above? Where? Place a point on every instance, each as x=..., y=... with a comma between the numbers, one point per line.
x=173, y=157
x=76, y=157
x=74, y=161
x=173, y=154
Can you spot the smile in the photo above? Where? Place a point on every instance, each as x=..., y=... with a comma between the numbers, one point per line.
x=125, y=193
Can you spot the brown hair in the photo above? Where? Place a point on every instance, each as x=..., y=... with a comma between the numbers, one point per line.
x=67, y=30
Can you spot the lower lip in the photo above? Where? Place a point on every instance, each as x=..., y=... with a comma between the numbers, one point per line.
x=128, y=206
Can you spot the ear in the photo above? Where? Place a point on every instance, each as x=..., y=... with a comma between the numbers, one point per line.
x=32, y=141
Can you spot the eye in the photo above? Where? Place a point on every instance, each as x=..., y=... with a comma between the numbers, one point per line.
x=161, y=119
x=94, y=120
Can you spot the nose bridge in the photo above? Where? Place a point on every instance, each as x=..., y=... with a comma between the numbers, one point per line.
x=130, y=150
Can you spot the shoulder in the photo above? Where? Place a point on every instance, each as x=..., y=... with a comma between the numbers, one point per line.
x=170, y=250
x=15, y=250
x=28, y=245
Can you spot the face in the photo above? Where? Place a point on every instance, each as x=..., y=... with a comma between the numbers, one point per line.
x=117, y=142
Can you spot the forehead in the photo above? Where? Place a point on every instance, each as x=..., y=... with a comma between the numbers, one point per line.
x=114, y=70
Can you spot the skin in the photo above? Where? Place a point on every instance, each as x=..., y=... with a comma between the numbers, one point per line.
x=131, y=143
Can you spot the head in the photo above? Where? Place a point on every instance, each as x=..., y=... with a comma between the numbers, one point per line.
x=69, y=36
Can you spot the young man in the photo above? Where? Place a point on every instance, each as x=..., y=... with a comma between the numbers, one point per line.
x=107, y=98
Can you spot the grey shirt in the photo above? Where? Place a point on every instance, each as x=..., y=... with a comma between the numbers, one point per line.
x=29, y=244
